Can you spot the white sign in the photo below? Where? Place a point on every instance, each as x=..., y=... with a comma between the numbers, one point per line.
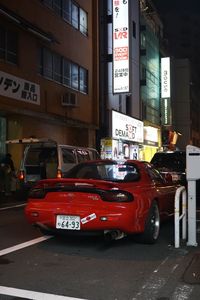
x=18, y=88
x=120, y=46
x=165, y=77
x=127, y=128
x=151, y=135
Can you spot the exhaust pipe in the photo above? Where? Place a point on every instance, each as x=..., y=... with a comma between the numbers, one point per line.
x=110, y=235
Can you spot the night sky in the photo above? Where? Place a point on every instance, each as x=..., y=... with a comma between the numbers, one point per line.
x=176, y=5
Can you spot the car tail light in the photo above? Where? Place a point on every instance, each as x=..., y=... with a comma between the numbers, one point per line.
x=21, y=175
x=59, y=174
x=117, y=196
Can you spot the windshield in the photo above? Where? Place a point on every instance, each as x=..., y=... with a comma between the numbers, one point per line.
x=105, y=171
x=170, y=161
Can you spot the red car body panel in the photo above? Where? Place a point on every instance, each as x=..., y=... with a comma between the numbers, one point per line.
x=128, y=217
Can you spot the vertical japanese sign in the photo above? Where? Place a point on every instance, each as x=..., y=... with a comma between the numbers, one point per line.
x=18, y=88
x=165, y=77
x=165, y=91
x=120, y=46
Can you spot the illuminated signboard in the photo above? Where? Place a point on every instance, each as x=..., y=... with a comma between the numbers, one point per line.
x=120, y=46
x=19, y=88
x=127, y=128
x=165, y=77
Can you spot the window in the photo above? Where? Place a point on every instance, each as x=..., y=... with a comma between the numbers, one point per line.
x=82, y=155
x=83, y=80
x=68, y=156
x=67, y=10
x=66, y=72
x=59, y=69
x=75, y=15
x=57, y=6
x=48, y=3
x=83, y=21
x=70, y=12
x=8, y=45
x=47, y=64
x=74, y=77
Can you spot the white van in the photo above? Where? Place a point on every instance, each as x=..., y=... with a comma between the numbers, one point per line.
x=47, y=159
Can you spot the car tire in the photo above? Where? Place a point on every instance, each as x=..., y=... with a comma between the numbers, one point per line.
x=152, y=225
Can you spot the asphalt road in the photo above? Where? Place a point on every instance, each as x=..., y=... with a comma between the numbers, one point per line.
x=85, y=267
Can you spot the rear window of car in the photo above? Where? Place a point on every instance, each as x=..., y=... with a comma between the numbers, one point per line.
x=175, y=161
x=41, y=154
x=106, y=171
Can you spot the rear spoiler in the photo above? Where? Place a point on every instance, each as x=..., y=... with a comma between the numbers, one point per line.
x=29, y=141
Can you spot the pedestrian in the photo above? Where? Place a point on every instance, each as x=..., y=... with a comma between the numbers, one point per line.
x=7, y=173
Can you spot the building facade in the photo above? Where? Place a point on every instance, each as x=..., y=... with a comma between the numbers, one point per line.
x=130, y=114
x=49, y=72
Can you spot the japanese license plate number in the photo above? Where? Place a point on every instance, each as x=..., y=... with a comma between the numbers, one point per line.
x=68, y=222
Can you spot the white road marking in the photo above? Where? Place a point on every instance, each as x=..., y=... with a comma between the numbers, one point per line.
x=24, y=245
x=159, y=278
x=13, y=206
x=32, y=295
x=182, y=292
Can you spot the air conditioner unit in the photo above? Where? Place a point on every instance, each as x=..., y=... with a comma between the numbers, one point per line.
x=69, y=99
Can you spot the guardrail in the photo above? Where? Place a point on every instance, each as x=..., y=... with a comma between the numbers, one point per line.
x=181, y=191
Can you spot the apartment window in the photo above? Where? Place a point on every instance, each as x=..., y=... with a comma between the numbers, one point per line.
x=57, y=6
x=83, y=21
x=70, y=12
x=67, y=10
x=74, y=76
x=59, y=69
x=66, y=72
x=83, y=80
x=47, y=63
x=8, y=45
x=75, y=17
x=48, y=3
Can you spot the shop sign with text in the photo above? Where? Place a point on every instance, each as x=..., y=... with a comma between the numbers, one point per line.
x=165, y=78
x=120, y=46
x=18, y=88
x=126, y=128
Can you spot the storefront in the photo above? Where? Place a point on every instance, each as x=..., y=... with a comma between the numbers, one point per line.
x=126, y=139
x=152, y=142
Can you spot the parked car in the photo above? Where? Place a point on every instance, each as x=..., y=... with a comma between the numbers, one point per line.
x=45, y=158
x=112, y=197
x=172, y=162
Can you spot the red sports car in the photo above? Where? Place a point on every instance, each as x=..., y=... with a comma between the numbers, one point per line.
x=116, y=198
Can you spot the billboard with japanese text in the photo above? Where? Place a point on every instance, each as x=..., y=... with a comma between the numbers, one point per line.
x=19, y=89
x=127, y=128
x=120, y=46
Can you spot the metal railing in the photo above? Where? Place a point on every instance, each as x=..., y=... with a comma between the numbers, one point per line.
x=181, y=191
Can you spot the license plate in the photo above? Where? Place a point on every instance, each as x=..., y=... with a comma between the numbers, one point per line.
x=68, y=222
